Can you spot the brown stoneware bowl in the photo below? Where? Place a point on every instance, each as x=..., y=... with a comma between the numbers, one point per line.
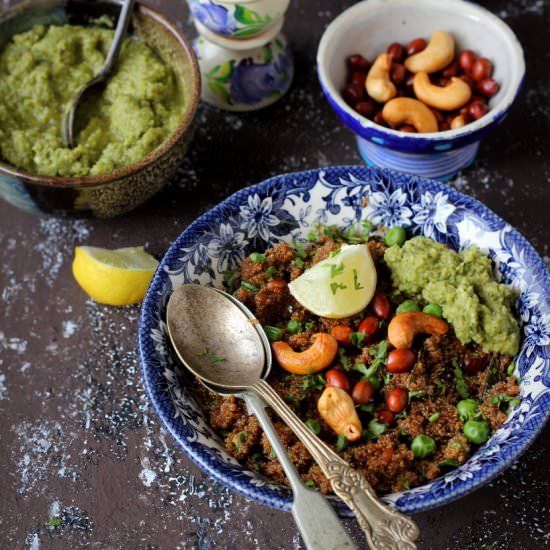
x=121, y=190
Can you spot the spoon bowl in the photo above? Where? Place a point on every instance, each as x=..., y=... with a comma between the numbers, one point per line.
x=232, y=357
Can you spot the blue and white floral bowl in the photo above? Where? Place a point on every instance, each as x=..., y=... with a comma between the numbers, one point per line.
x=369, y=27
x=284, y=208
x=238, y=19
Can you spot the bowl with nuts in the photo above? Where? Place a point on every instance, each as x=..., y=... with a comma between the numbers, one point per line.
x=420, y=84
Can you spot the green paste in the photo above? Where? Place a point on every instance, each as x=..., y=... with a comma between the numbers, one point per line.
x=463, y=284
x=40, y=71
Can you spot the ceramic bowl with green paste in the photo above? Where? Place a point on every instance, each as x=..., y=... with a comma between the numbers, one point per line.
x=131, y=133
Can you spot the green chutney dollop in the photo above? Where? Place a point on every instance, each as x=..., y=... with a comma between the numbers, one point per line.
x=478, y=307
x=120, y=123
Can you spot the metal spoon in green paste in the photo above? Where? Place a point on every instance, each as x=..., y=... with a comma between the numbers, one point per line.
x=110, y=61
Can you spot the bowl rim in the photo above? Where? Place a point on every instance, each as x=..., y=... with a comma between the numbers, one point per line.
x=413, y=503
x=75, y=182
x=371, y=5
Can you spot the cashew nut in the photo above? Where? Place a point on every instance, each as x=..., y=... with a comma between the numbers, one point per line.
x=317, y=357
x=405, y=110
x=378, y=83
x=405, y=326
x=453, y=96
x=439, y=52
x=338, y=410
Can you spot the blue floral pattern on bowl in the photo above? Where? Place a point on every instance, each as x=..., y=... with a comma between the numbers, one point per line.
x=243, y=22
x=284, y=208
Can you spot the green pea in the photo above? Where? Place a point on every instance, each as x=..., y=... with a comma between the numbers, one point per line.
x=274, y=334
x=433, y=309
x=467, y=409
x=423, y=446
x=406, y=306
x=294, y=327
x=396, y=235
x=477, y=431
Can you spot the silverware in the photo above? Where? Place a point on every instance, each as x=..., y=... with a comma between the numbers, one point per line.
x=223, y=347
x=110, y=61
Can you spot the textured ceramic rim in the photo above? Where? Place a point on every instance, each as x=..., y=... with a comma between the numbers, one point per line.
x=423, y=143
x=430, y=495
x=163, y=149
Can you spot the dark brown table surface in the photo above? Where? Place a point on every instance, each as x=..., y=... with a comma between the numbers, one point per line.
x=78, y=438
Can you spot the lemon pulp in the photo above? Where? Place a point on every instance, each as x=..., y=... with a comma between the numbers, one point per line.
x=115, y=277
x=338, y=286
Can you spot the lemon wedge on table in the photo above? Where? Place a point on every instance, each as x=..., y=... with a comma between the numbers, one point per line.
x=338, y=286
x=117, y=277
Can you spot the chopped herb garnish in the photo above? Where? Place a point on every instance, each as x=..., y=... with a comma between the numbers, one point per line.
x=300, y=250
x=209, y=354
x=460, y=384
x=54, y=522
x=363, y=369
x=249, y=286
x=313, y=425
x=344, y=359
x=368, y=226
x=298, y=262
x=387, y=378
x=271, y=271
x=498, y=399
x=374, y=429
x=291, y=399
x=335, y=286
x=313, y=381
x=357, y=339
x=402, y=414
x=243, y=436
x=341, y=443
x=416, y=393
x=257, y=258
x=441, y=386
x=272, y=453
x=511, y=368
x=368, y=408
x=434, y=417
x=356, y=284
x=334, y=253
x=380, y=352
x=274, y=334
x=313, y=236
x=310, y=483
x=309, y=325
x=336, y=270
x=231, y=279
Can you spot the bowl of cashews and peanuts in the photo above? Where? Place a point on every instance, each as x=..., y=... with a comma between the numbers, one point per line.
x=420, y=83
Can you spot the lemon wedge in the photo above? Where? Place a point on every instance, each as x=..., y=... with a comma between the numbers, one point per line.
x=115, y=277
x=338, y=286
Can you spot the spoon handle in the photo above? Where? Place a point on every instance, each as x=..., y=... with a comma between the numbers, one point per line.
x=318, y=523
x=123, y=21
x=384, y=527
